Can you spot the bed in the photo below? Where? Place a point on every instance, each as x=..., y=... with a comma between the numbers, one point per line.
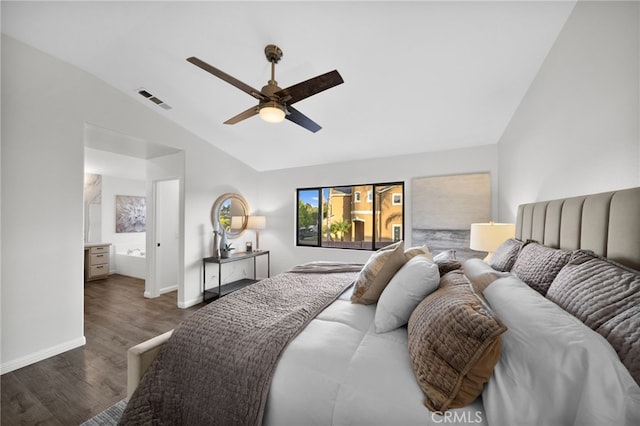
x=546, y=332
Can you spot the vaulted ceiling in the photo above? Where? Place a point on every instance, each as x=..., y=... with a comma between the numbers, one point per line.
x=419, y=76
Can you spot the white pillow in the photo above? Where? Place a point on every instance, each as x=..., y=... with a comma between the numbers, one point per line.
x=481, y=274
x=553, y=370
x=408, y=287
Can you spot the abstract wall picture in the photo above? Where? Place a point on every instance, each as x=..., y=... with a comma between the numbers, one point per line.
x=443, y=209
x=131, y=213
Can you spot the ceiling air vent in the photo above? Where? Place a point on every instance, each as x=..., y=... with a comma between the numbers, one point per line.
x=154, y=99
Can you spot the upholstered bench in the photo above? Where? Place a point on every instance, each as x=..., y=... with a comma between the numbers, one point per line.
x=140, y=357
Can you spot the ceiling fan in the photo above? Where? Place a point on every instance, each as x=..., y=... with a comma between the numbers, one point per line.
x=274, y=103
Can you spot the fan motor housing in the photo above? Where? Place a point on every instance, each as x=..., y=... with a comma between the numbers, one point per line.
x=273, y=53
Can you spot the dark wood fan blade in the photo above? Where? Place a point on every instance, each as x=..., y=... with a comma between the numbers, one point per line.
x=300, y=91
x=226, y=77
x=243, y=115
x=301, y=119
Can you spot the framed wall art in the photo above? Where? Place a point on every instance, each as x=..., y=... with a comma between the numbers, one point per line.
x=444, y=207
x=131, y=213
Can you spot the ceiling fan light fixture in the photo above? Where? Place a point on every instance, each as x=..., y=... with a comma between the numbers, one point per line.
x=272, y=112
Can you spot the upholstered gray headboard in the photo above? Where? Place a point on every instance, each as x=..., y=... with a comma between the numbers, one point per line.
x=607, y=223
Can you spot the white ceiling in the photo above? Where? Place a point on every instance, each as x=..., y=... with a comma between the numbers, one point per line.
x=419, y=76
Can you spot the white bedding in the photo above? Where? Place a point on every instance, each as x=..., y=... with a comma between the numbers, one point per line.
x=554, y=370
x=339, y=371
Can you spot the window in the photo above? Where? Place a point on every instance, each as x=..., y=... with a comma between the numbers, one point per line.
x=397, y=232
x=335, y=217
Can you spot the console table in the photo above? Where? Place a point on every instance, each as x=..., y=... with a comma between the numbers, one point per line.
x=235, y=285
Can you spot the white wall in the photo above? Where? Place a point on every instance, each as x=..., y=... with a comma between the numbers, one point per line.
x=42, y=211
x=278, y=195
x=43, y=120
x=577, y=129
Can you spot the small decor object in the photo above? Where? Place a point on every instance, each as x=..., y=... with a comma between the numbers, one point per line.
x=225, y=250
x=215, y=245
x=249, y=246
x=223, y=239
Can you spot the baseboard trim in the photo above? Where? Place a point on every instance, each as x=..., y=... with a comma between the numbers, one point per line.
x=189, y=303
x=23, y=361
x=168, y=289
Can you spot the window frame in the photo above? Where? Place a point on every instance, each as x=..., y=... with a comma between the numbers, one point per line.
x=374, y=241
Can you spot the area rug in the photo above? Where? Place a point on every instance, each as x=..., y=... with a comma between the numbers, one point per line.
x=110, y=416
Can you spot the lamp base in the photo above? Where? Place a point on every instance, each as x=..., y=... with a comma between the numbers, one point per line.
x=489, y=256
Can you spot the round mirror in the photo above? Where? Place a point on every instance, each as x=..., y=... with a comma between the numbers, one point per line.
x=230, y=212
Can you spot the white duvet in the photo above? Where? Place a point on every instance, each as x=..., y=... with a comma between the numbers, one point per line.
x=553, y=369
x=339, y=371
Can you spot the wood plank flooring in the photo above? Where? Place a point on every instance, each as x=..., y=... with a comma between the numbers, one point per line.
x=74, y=386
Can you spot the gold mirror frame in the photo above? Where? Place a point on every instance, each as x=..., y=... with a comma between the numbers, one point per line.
x=224, y=208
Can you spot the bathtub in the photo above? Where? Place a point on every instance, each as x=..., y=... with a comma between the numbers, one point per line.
x=131, y=261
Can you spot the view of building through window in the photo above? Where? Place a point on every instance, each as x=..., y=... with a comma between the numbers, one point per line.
x=368, y=216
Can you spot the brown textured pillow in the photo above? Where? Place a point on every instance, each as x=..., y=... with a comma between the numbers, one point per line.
x=454, y=344
x=606, y=297
x=538, y=265
x=505, y=255
x=377, y=272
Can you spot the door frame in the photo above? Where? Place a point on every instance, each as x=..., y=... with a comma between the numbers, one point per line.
x=151, y=284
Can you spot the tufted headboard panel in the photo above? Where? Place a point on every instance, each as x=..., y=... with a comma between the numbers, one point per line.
x=607, y=223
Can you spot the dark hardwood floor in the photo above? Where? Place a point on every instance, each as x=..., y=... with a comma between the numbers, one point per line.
x=74, y=386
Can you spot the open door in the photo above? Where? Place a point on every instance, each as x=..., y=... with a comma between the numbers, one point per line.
x=167, y=236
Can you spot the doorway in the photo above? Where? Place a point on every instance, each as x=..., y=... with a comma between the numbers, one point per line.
x=115, y=154
x=167, y=235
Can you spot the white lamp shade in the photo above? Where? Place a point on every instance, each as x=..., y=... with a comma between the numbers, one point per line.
x=488, y=236
x=236, y=222
x=257, y=222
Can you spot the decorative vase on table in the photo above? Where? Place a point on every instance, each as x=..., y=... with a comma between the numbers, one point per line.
x=224, y=245
x=215, y=245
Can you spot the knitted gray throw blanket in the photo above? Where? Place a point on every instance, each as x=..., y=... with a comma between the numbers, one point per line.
x=217, y=367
